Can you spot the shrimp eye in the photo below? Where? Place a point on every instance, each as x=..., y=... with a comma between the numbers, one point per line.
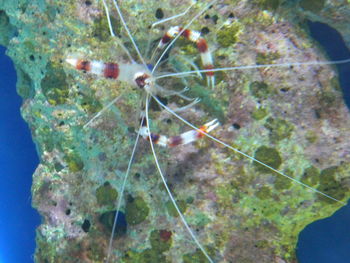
x=141, y=80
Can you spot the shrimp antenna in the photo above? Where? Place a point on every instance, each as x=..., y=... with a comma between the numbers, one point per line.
x=120, y=196
x=244, y=154
x=186, y=73
x=168, y=190
x=173, y=17
x=98, y=114
x=112, y=32
x=128, y=32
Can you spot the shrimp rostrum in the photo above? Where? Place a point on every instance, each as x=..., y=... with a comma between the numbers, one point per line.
x=240, y=147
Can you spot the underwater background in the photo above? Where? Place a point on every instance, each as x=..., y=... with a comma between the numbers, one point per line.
x=327, y=240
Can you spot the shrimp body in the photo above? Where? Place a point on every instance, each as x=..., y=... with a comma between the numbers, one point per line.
x=128, y=72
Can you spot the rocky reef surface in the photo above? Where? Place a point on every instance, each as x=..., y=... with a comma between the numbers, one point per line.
x=291, y=118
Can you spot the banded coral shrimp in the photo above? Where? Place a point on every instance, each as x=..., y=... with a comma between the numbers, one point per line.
x=232, y=212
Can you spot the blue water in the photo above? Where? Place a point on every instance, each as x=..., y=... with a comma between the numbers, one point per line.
x=328, y=240
x=324, y=241
x=18, y=160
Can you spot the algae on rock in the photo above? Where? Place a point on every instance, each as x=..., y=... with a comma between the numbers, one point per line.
x=292, y=118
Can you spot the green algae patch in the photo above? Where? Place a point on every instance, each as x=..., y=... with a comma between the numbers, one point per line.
x=330, y=186
x=281, y=183
x=224, y=193
x=264, y=193
x=172, y=210
x=46, y=135
x=54, y=85
x=29, y=49
x=311, y=136
x=161, y=240
x=136, y=210
x=106, y=194
x=270, y=5
x=47, y=250
x=188, y=48
x=96, y=253
x=90, y=104
x=259, y=114
x=310, y=176
x=262, y=244
x=100, y=28
x=198, y=256
x=268, y=58
x=146, y=256
x=228, y=35
x=199, y=220
x=24, y=84
x=74, y=162
x=312, y=5
x=279, y=129
x=327, y=98
x=260, y=90
x=268, y=156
